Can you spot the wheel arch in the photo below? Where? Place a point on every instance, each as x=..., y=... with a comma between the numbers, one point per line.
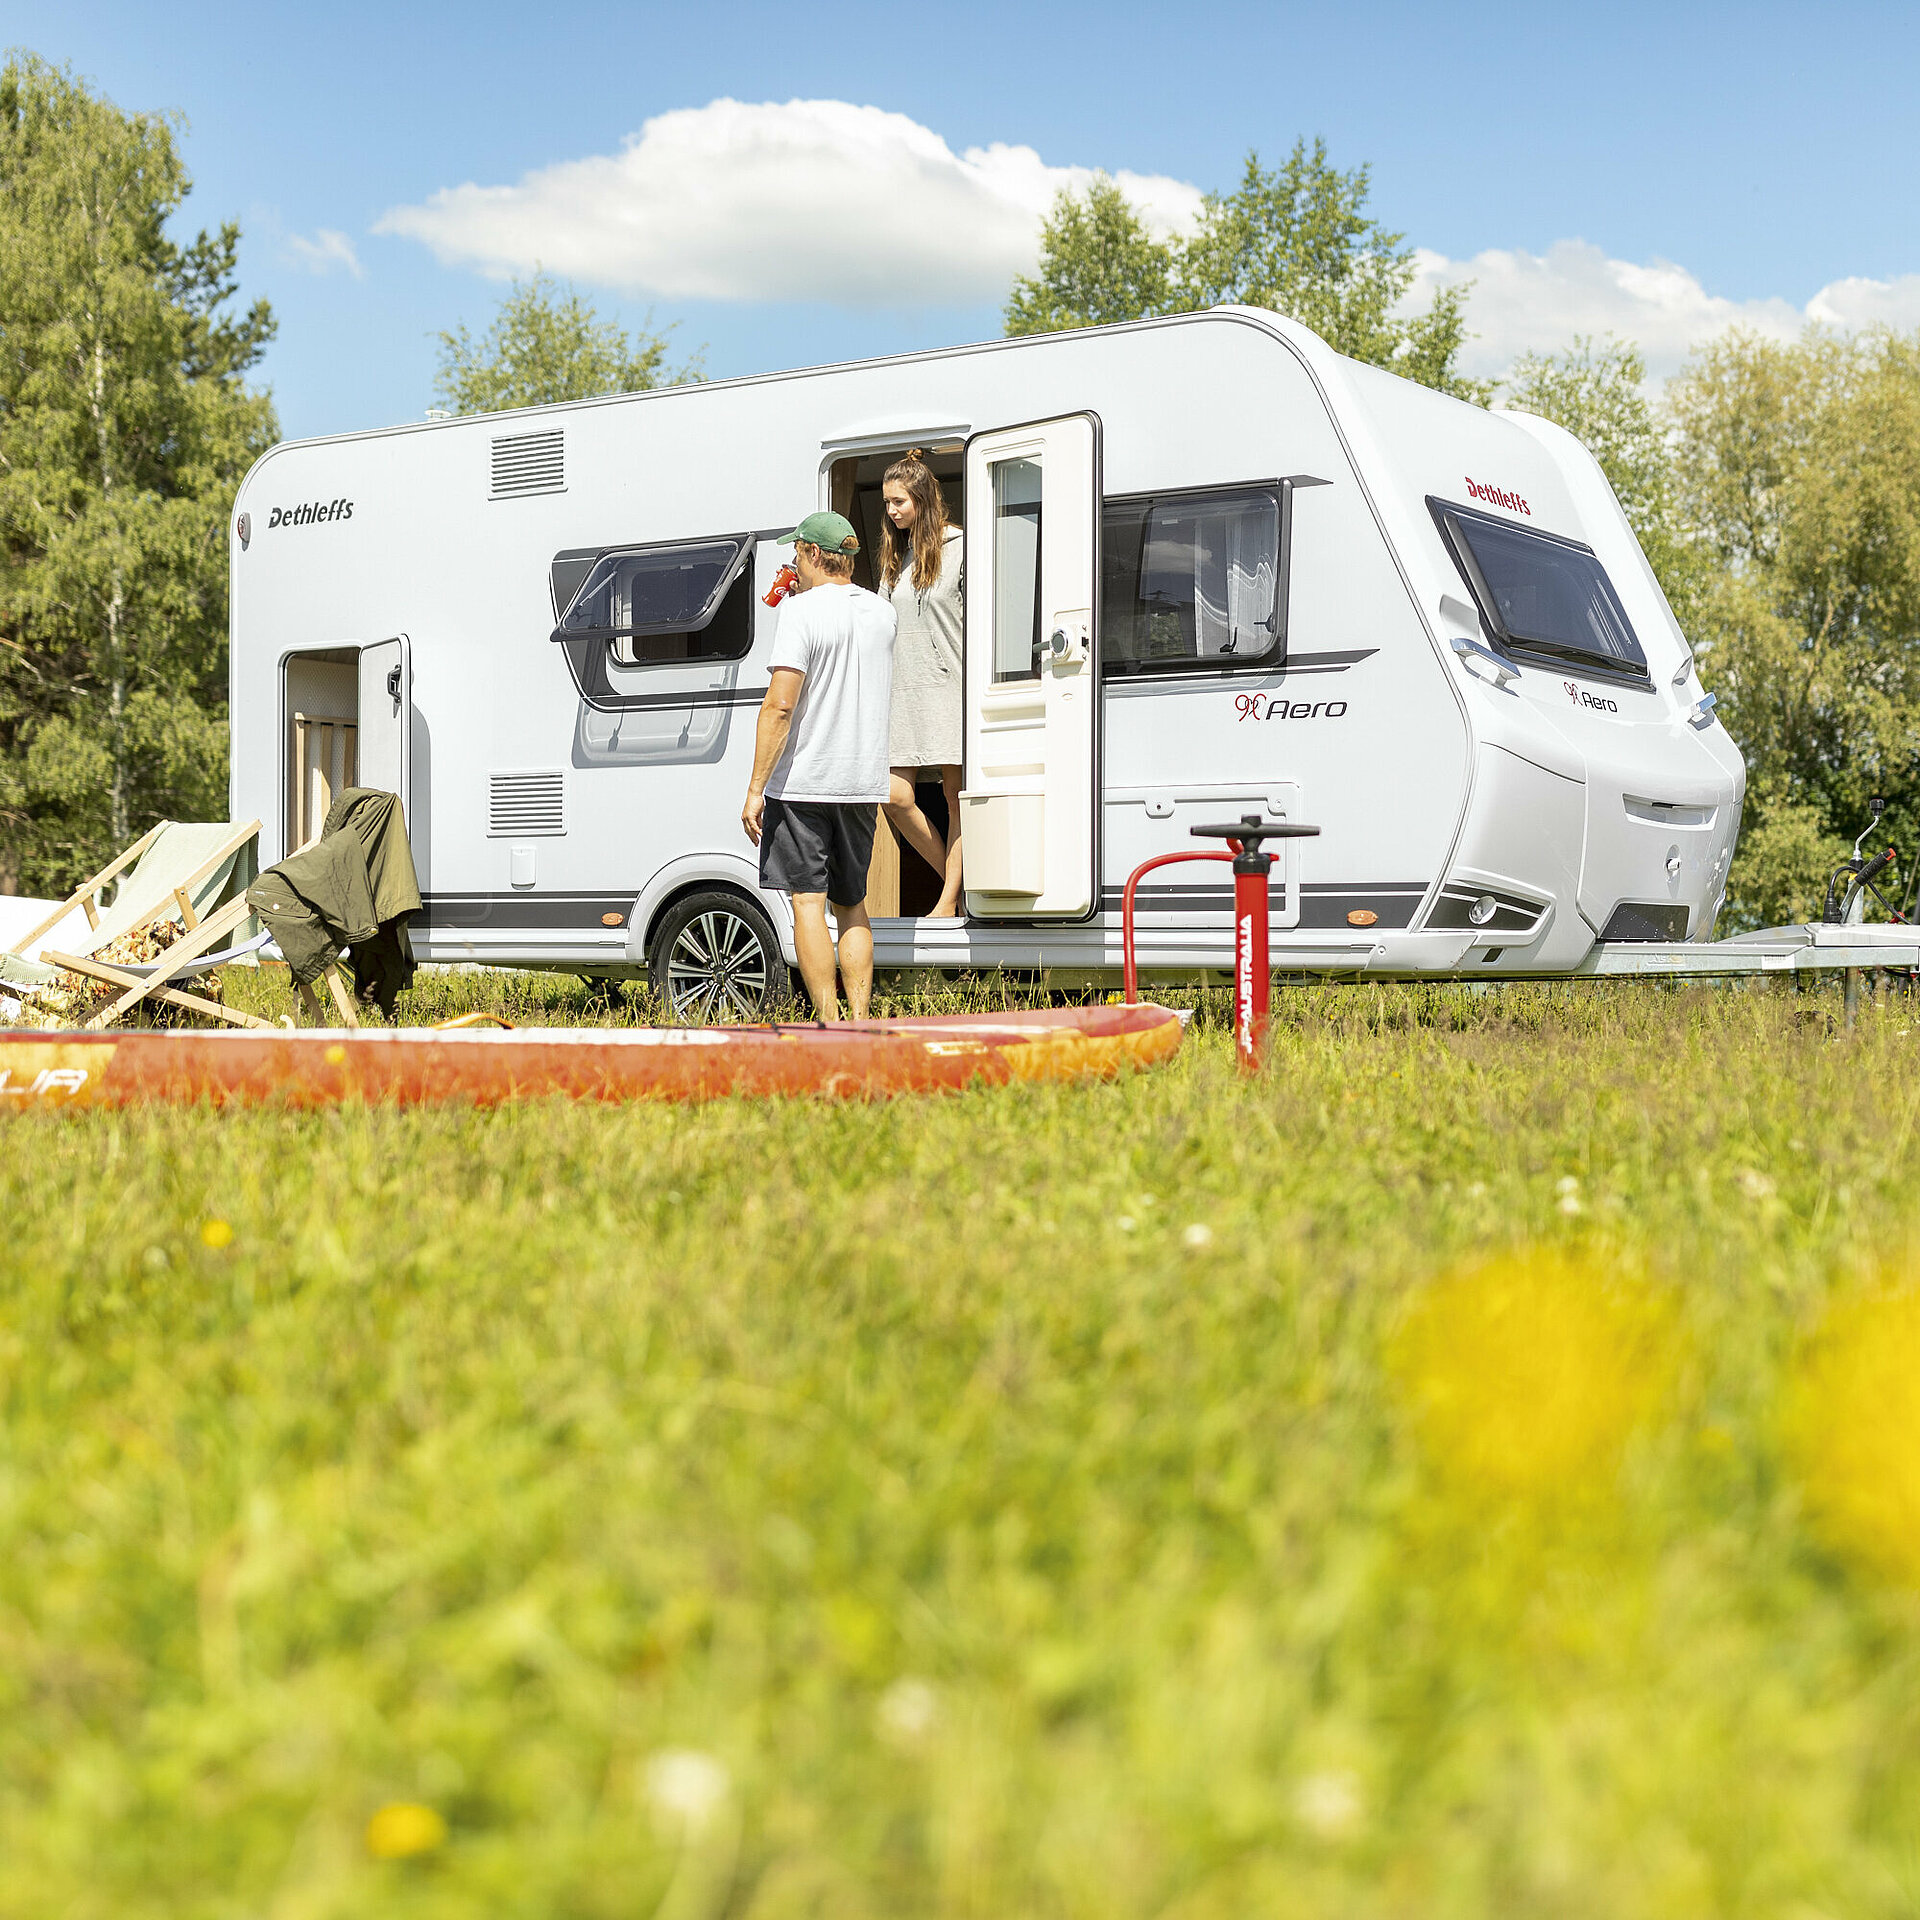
x=694, y=874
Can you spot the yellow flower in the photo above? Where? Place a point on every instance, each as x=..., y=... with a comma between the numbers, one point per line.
x=1527, y=1373
x=1853, y=1427
x=402, y=1828
x=216, y=1234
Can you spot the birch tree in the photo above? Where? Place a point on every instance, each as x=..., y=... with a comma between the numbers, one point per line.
x=125, y=426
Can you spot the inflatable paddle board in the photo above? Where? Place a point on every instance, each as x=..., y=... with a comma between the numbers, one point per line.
x=487, y=1065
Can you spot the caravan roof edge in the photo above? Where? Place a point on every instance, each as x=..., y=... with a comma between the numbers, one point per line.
x=1289, y=333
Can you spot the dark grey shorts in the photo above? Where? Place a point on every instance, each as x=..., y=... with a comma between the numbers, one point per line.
x=818, y=846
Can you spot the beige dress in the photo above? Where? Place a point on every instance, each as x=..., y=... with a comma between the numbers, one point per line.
x=925, y=730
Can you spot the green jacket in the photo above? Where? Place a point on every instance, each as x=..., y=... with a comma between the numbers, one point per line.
x=354, y=888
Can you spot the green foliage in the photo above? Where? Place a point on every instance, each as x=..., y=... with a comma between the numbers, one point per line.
x=1597, y=390
x=1008, y=1550
x=1296, y=239
x=125, y=427
x=1098, y=264
x=1797, y=474
x=545, y=344
x=1787, y=853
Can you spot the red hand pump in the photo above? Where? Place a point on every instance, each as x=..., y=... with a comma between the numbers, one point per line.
x=1252, y=968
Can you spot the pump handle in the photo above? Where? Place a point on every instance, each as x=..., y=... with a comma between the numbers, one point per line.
x=1250, y=830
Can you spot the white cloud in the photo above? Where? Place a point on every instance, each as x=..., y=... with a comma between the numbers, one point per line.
x=1869, y=303
x=822, y=200
x=810, y=200
x=1536, y=303
x=327, y=249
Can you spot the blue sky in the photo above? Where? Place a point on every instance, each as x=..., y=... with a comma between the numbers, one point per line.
x=1662, y=171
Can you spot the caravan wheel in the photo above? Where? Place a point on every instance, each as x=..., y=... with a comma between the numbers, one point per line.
x=717, y=958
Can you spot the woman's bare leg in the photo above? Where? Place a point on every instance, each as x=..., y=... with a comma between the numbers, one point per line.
x=913, y=826
x=949, y=902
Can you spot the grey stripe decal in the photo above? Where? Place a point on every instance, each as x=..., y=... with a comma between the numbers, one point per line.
x=1323, y=906
x=1337, y=662
x=1115, y=681
x=561, y=912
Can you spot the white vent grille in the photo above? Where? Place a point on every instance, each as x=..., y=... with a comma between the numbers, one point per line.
x=525, y=804
x=526, y=463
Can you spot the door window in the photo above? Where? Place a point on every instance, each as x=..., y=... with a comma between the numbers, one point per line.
x=1193, y=580
x=1016, y=569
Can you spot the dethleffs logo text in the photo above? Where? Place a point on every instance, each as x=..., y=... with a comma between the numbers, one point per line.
x=311, y=513
x=1497, y=496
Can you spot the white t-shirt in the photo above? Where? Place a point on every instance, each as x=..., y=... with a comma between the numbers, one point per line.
x=841, y=637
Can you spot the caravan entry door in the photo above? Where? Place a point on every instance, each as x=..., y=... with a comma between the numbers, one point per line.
x=1029, y=799
x=386, y=720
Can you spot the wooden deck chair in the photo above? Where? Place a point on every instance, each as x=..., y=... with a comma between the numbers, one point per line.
x=176, y=961
x=342, y=999
x=87, y=894
x=180, y=871
x=163, y=979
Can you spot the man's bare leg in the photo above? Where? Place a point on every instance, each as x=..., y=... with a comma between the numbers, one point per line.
x=813, y=944
x=856, y=956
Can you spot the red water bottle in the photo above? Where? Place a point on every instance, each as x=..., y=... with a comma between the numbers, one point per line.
x=784, y=583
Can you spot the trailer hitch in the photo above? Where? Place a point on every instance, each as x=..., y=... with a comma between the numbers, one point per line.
x=1844, y=904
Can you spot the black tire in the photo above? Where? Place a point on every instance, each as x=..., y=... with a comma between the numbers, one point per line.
x=716, y=958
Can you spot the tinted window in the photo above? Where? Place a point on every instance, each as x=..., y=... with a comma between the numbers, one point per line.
x=727, y=636
x=665, y=604
x=1541, y=595
x=670, y=587
x=1191, y=580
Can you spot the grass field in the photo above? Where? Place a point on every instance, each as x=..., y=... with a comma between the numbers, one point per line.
x=1474, y=1470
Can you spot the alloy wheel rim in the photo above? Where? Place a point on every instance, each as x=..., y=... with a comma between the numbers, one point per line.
x=717, y=968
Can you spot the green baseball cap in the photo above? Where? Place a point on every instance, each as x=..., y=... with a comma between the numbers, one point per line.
x=830, y=532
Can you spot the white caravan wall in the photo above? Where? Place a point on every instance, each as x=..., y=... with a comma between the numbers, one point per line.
x=1365, y=735
x=427, y=552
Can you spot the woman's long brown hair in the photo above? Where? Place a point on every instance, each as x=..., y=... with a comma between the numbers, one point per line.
x=929, y=530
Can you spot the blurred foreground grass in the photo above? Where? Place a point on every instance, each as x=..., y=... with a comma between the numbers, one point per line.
x=1473, y=1471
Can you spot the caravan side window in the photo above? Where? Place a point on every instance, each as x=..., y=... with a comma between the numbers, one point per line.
x=664, y=605
x=1193, y=580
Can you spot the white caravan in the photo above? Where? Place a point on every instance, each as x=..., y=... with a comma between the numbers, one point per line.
x=1213, y=568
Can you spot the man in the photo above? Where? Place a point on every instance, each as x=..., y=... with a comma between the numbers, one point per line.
x=820, y=759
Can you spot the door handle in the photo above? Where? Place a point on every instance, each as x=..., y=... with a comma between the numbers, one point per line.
x=1071, y=637
x=393, y=683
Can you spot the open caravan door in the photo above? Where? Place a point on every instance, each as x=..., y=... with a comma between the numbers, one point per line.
x=385, y=742
x=1030, y=796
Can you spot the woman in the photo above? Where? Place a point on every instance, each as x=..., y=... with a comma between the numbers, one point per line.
x=923, y=572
